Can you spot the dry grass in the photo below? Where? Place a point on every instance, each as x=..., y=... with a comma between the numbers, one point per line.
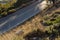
x=27, y=27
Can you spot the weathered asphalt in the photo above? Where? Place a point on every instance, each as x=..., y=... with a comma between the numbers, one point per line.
x=13, y=20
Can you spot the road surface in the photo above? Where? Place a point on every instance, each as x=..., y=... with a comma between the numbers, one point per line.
x=13, y=20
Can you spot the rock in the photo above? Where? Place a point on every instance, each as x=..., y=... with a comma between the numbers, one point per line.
x=20, y=32
x=42, y=5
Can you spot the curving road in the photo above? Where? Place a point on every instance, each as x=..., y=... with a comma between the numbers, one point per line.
x=13, y=20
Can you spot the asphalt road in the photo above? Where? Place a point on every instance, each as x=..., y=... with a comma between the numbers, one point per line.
x=15, y=19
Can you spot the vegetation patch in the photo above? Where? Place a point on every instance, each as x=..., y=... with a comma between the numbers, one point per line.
x=39, y=35
x=52, y=19
x=12, y=6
